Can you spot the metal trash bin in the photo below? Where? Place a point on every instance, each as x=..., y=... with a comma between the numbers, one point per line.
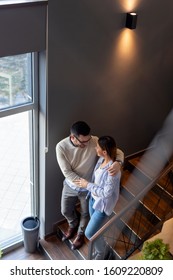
x=30, y=229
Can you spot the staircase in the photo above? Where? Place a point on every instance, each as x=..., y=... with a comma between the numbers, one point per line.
x=145, y=202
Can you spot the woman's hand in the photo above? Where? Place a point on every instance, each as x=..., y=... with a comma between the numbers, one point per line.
x=82, y=183
x=114, y=168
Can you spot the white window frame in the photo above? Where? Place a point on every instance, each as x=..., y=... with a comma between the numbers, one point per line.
x=33, y=107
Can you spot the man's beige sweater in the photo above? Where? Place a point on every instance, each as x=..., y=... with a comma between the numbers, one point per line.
x=76, y=162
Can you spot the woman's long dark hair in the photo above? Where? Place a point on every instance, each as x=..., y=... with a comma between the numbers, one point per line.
x=108, y=144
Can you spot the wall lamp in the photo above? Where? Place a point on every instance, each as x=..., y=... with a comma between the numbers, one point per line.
x=131, y=20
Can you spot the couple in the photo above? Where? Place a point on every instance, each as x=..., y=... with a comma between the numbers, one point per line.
x=90, y=165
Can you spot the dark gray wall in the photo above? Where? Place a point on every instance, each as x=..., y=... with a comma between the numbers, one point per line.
x=118, y=80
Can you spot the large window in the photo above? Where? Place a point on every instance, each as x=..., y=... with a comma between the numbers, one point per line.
x=18, y=151
x=15, y=80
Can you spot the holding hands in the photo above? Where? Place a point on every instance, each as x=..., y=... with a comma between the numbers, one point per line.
x=81, y=183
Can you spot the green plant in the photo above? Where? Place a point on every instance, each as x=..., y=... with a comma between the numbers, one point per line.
x=155, y=250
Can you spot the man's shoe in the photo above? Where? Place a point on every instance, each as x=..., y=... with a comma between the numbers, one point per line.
x=78, y=242
x=70, y=233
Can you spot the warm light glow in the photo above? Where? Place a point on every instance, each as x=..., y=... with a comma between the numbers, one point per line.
x=129, y=5
x=125, y=50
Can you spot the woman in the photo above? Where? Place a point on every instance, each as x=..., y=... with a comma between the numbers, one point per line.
x=104, y=190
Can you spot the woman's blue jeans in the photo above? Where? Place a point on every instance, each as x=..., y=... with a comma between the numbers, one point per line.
x=96, y=221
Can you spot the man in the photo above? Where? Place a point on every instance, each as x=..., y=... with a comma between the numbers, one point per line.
x=76, y=156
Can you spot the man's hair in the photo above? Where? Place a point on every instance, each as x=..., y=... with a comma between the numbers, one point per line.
x=80, y=128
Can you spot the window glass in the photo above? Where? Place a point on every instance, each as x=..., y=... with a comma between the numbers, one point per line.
x=15, y=81
x=18, y=148
x=15, y=196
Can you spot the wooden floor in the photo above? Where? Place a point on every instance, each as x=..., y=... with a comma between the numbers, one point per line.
x=54, y=249
x=20, y=254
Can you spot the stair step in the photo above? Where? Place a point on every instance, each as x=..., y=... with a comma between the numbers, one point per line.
x=167, y=183
x=123, y=246
x=121, y=203
x=55, y=249
x=150, y=163
x=81, y=253
x=153, y=198
x=120, y=238
x=138, y=223
x=133, y=183
x=163, y=193
x=158, y=205
x=117, y=229
x=140, y=215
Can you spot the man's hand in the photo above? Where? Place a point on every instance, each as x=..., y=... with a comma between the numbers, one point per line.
x=114, y=168
x=82, y=183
